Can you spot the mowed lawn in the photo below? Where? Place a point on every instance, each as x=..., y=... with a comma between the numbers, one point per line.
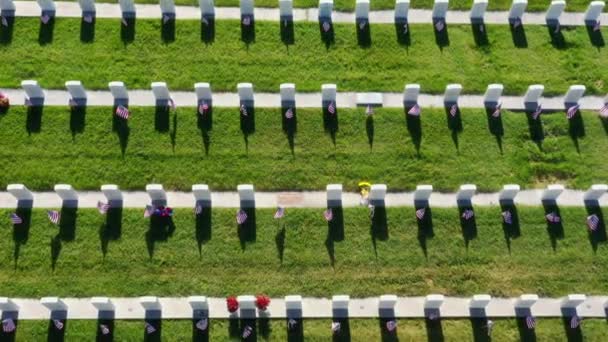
x=86, y=152
x=303, y=254
x=386, y=65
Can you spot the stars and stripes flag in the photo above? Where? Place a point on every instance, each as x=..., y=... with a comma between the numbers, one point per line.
x=369, y=110
x=331, y=108
x=54, y=216
x=575, y=321
x=104, y=329
x=604, y=110
x=481, y=27
x=4, y=22
x=243, y=110
x=391, y=325
x=247, y=331
x=241, y=216
x=489, y=326
x=328, y=215
x=593, y=221
x=124, y=21
x=15, y=219
x=517, y=22
x=45, y=19
x=335, y=327
x=205, y=21
x=326, y=26
x=553, y=217
x=372, y=210
x=166, y=19
x=468, y=214
x=247, y=20
x=292, y=323
x=58, y=324
x=454, y=110
x=203, y=108
x=362, y=24
x=123, y=112
x=279, y=213
x=172, y=104
x=8, y=325
x=405, y=28
x=507, y=217
x=103, y=207
x=596, y=26
x=198, y=209
x=433, y=316
x=148, y=211
x=439, y=25
x=497, y=110
x=537, y=112
x=415, y=110
x=571, y=112
x=88, y=19
x=420, y=213
x=557, y=28
x=202, y=324
x=150, y=329
x=531, y=322
x=289, y=113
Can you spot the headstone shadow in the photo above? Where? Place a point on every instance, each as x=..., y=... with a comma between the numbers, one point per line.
x=167, y=29
x=247, y=231
x=597, y=236
x=127, y=32
x=121, y=127
x=454, y=123
x=160, y=229
x=6, y=32
x=295, y=332
x=33, y=123
x=402, y=31
x=595, y=36
x=555, y=33
x=335, y=230
x=442, y=37
x=161, y=117
x=154, y=319
x=248, y=322
x=205, y=124
x=468, y=226
x=45, y=33
x=67, y=230
x=330, y=122
x=525, y=334
x=434, y=329
x=369, y=129
x=384, y=317
x=572, y=334
x=111, y=229
x=518, y=34
x=247, y=122
x=364, y=35
x=554, y=229
x=10, y=336
x=535, y=128
x=106, y=319
x=511, y=230
x=495, y=125
x=203, y=229
x=576, y=129
x=414, y=127
x=247, y=31
x=479, y=325
x=21, y=232
x=343, y=334
x=425, y=226
x=379, y=225
x=208, y=29
x=87, y=30
x=54, y=333
x=326, y=27
x=77, y=119
x=480, y=34
x=289, y=125
x=287, y=32
x=199, y=335
x=279, y=241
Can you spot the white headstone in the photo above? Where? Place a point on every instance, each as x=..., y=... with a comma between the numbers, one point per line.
x=411, y=92
x=207, y=7
x=377, y=192
x=286, y=8
x=594, y=11
x=6, y=305
x=156, y=192
x=46, y=5
x=328, y=92
x=198, y=302
x=111, y=192
x=245, y=91
x=325, y=8
x=466, y=192
x=369, y=99
x=440, y=8
x=552, y=192
x=401, y=9
x=479, y=9
x=508, y=193
x=334, y=192
x=160, y=91
x=102, y=303
x=246, y=192
x=246, y=302
x=127, y=6
x=66, y=192
x=246, y=7
x=7, y=5
x=595, y=192
x=526, y=301
x=518, y=8
x=293, y=302
x=493, y=93
x=288, y=92
x=20, y=192
x=555, y=10
x=167, y=7
x=118, y=90
x=574, y=94
x=150, y=303
x=433, y=301
x=573, y=300
x=452, y=91
x=387, y=301
x=340, y=302
x=480, y=301
x=87, y=6
x=33, y=92
x=76, y=90
x=201, y=192
x=53, y=303
x=423, y=192
x=534, y=93
x=203, y=91
x=362, y=9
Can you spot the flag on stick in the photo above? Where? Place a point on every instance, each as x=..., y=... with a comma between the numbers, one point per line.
x=289, y=113
x=414, y=111
x=58, y=324
x=45, y=19
x=593, y=221
x=203, y=108
x=597, y=26
x=148, y=211
x=198, y=209
x=331, y=108
x=575, y=321
x=280, y=213
x=537, y=112
x=420, y=213
x=439, y=25
x=553, y=217
x=328, y=215
x=335, y=327
x=166, y=19
x=15, y=219
x=123, y=112
x=571, y=112
x=104, y=329
x=507, y=217
x=8, y=325
x=54, y=216
x=103, y=207
x=150, y=329
x=326, y=26
x=391, y=325
x=243, y=110
x=247, y=332
x=241, y=216
x=247, y=20
x=454, y=110
x=497, y=110
x=4, y=22
x=124, y=21
x=88, y=19
x=531, y=322
x=202, y=324
x=468, y=214
x=604, y=111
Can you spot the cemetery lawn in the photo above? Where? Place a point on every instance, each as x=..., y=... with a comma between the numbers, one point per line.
x=86, y=153
x=362, y=267
x=385, y=66
x=319, y=330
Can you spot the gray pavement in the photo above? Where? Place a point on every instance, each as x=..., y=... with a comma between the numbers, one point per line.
x=415, y=16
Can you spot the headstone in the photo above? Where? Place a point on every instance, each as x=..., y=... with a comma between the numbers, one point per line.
x=328, y=94
x=102, y=303
x=325, y=10
x=532, y=96
x=53, y=304
x=247, y=12
x=245, y=91
x=492, y=96
x=334, y=195
x=480, y=301
x=526, y=301
x=362, y=13
x=111, y=192
x=518, y=8
x=47, y=7
x=127, y=7
x=465, y=194
x=595, y=192
x=508, y=193
x=167, y=8
x=340, y=302
x=246, y=195
x=410, y=94
x=77, y=92
x=555, y=11
x=33, y=92
x=67, y=194
x=7, y=8
x=207, y=8
x=203, y=94
x=293, y=302
x=592, y=15
x=157, y=194
x=574, y=94
x=440, y=9
x=377, y=194
x=286, y=10
x=201, y=193
x=150, y=303
x=423, y=193
x=161, y=93
x=401, y=10
x=433, y=301
x=478, y=10
x=387, y=302
x=288, y=94
x=7, y=305
x=247, y=306
x=198, y=303
x=87, y=7
x=573, y=300
x=452, y=92
x=369, y=100
x=20, y=192
x=552, y=193
x=119, y=92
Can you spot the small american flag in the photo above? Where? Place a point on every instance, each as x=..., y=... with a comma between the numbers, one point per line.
x=148, y=211
x=507, y=217
x=468, y=214
x=103, y=207
x=203, y=108
x=420, y=213
x=481, y=28
x=45, y=19
x=372, y=210
x=537, y=112
x=247, y=332
x=331, y=108
x=202, y=324
x=571, y=112
x=172, y=104
x=516, y=22
x=575, y=321
x=15, y=219
x=150, y=329
x=241, y=216
x=122, y=112
x=243, y=110
x=531, y=322
x=553, y=218
x=593, y=221
x=391, y=325
x=104, y=329
x=166, y=19
x=198, y=209
x=54, y=216
x=405, y=28
x=489, y=326
x=88, y=18
x=124, y=21
x=557, y=28
x=292, y=323
x=369, y=110
x=604, y=110
x=8, y=325
x=439, y=25
x=289, y=113
x=205, y=21
x=497, y=110
x=415, y=110
x=335, y=327
x=597, y=26
x=433, y=316
x=454, y=110
x=4, y=22
x=72, y=103
x=58, y=324
x=279, y=213
x=247, y=20
x=326, y=26
x=328, y=215
x=362, y=24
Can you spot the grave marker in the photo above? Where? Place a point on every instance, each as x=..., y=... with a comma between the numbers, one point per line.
x=325, y=15
x=20, y=192
x=78, y=95
x=410, y=95
x=7, y=9
x=574, y=94
x=7, y=305
x=440, y=9
x=377, y=194
x=595, y=192
x=34, y=95
x=328, y=97
x=88, y=10
x=286, y=12
x=451, y=94
x=47, y=10
x=157, y=194
x=246, y=195
x=119, y=92
x=334, y=195
x=127, y=7
x=552, y=192
x=202, y=195
x=516, y=13
x=508, y=193
x=53, y=304
x=167, y=8
x=247, y=17
x=480, y=301
x=161, y=94
x=198, y=303
x=207, y=9
x=478, y=11
x=68, y=195
x=422, y=194
x=572, y=301
x=401, y=10
x=362, y=14
x=532, y=97
x=465, y=194
x=526, y=301
x=150, y=303
x=592, y=15
x=554, y=12
x=204, y=98
x=492, y=96
x=102, y=304
x=113, y=195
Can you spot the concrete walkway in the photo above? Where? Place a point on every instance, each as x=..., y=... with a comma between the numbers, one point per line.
x=304, y=199
x=406, y=307
x=304, y=100
x=415, y=16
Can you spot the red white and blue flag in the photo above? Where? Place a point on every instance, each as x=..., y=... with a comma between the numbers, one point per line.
x=8, y=325
x=531, y=322
x=415, y=110
x=279, y=213
x=391, y=325
x=420, y=213
x=54, y=216
x=537, y=112
x=15, y=219
x=326, y=26
x=105, y=330
x=122, y=112
x=58, y=324
x=289, y=113
x=604, y=111
x=148, y=211
x=596, y=26
x=103, y=207
x=454, y=110
x=124, y=21
x=593, y=221
x=497, y=110
x=553, y=217
x=575, y=321
x=203, y=108
x=328, y=215
x=202, y=324
x=247, y=20
x=331, y=108
x=507, y=217
x=247, y=332
x=243, y=110
x=166, y=19
x=198, y=209
x=88, y=19
x=4, y=22
x=468, y=214
x=571, y=112
x=439, y=25
x=517, y=22
x=241, y=216
x=150, y=329
x=335, y=327
x=45, y=19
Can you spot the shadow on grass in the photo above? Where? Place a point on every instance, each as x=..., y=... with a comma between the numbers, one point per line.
x=442, y=38
x=525, y=334
x=279, y=241
x=597, y=236
x=45, y=33
x=434, y=330
x=343, y=334
x=369, y=129
x=518, y=33
x=326, y=28
x=167, y=30
x=595, y=36
x=335, y=229
x=510, y=230
x=479, y=325
x=379, y=225
x=77, y=119
x=205, y=124
x=414, y=127
x=295, y=330
x=33, y=123
x=468, y=227
x=454, y=123
x=480, y=34
x=157, y=323
x=402, y=30
x=67, y=230
x=21, y=232
x=425, y=226
x=203, y=226
x=127, y=32
x=554, y=229
x=247, y=122
x=555, y=33
x=535, y=127
x=330, y=121
x=364, y=34
x=287, y=31
x=247, y=31
x=121, y=127
x=572, y=334
x=289, y=125
x=160, y=229
x=111, y=229
x=87, y=30
x=495, y=125
x=207, y=29
x=576, y=129
x=161, y=117
x=108, y=322
x=247, y=231
x=54, y=334
x=6, y=32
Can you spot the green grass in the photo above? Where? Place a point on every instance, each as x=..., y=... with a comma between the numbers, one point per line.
x=224, y=267
x=318, y=330
x=91, y=158
x=385, y=66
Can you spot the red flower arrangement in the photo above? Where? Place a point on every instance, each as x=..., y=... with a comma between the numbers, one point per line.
x=232, y=303
x=262, y=302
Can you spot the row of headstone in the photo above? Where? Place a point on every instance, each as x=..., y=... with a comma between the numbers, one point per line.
x=35, y=95
x=246, y=192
